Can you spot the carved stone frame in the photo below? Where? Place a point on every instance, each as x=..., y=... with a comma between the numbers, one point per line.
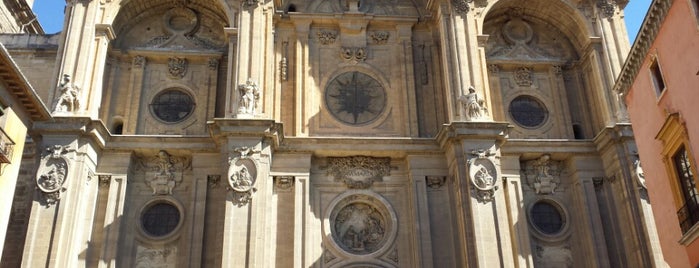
x=143, y=236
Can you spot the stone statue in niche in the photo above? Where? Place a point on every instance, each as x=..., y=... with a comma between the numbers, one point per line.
x=473, y=106
x=542, y=174
x=359, y=228
x=68, y=99
x=249, y=97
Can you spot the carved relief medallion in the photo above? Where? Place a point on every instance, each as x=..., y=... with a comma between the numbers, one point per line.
x=362, y=224
x=242, y=175
x=483, y=175
x=359, y=172
x=640, y=176
x=152, y=257
x=52, y=174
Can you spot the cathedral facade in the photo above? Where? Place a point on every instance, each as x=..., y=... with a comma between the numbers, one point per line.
x=330, y=133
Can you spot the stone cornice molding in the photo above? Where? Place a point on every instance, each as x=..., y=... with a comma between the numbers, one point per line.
x=646, y=36
x=19, y=86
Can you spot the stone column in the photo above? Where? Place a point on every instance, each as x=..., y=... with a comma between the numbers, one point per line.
x=302, y=74
x=463, y=55
x=60, y=225
x=135, y=87
x=248, y=207
x=512, y=188
x=473, y=151
x=253, y=43
x=82, y=56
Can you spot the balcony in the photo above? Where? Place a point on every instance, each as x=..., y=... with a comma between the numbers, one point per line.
x=6, y=146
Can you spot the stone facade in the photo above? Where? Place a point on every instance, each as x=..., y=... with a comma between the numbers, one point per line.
x=335, y=134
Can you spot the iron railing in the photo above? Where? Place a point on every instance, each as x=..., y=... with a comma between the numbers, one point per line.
x=688, y=215
x=6, y=146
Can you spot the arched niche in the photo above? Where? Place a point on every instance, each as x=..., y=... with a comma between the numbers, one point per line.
x=164, y=25
x=535, y=52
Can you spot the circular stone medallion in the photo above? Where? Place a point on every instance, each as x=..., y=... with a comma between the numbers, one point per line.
x=355, y=98
x=361, y=224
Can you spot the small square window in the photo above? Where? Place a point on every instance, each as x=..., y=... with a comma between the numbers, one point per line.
x=657, y=76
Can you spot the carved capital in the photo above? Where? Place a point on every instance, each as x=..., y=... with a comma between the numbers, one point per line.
x=283, y=183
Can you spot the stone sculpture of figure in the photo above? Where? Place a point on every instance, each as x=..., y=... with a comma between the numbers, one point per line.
x=473, y=105
x=242, y=180
x=68, y=99
x=249, y=96
x=483, y=178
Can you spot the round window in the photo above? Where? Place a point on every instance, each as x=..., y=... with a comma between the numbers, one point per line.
x=547, y=218
x=172, y=105
x=355, y=98
x=527, y=111
x=160, y=219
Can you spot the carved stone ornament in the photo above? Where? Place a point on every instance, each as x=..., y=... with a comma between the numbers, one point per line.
x=359, y=172
x=435, y=182
x=213, y=180
x=249, y=98
x=104, y=180
x=242, y=175
x=543, y=174
x=353, y=55
x=483, y=175
x=163, y=172
x=607, y=8
x=139, y=61
x=68, y=99
x=159, y=256
x=523, y=77
x=379, y=37
x=283, y=183
x=177, y=67
x=473, y=106
x=461, y=7
x=250, y=3
x=52, y=174
x=213, y=63
x=326, y=37
x=361, y=224
x=640, y=176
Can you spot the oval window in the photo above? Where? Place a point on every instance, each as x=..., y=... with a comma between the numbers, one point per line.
x=528, y=111
x=547, y=218
x=160, y=219
x=172, y=105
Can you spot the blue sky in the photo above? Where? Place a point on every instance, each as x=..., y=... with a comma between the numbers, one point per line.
x=50, y=13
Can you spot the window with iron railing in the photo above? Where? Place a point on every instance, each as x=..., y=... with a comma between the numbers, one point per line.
x=688, y=214
x=6, y=145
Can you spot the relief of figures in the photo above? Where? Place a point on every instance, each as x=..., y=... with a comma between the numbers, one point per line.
x=164, y=171
x=359, y=228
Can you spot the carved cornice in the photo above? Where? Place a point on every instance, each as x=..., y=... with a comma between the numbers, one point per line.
x=646, y=36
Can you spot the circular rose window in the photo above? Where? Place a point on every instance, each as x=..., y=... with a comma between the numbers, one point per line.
x=528, y=111
x=172, y=105
x=547, y=218
x=355, y=98
x=160, y=219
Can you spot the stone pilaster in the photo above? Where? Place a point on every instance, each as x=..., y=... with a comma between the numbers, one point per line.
x=60, y=226
x=473, y=151
x=83, y=55
x=248, y=154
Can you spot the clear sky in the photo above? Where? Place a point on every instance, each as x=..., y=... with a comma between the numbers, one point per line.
x=50, y=13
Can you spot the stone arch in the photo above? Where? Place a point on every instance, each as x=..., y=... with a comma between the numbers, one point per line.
x=536, y=50
x=380, y=7
x=567, y=18
x=229, y=12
